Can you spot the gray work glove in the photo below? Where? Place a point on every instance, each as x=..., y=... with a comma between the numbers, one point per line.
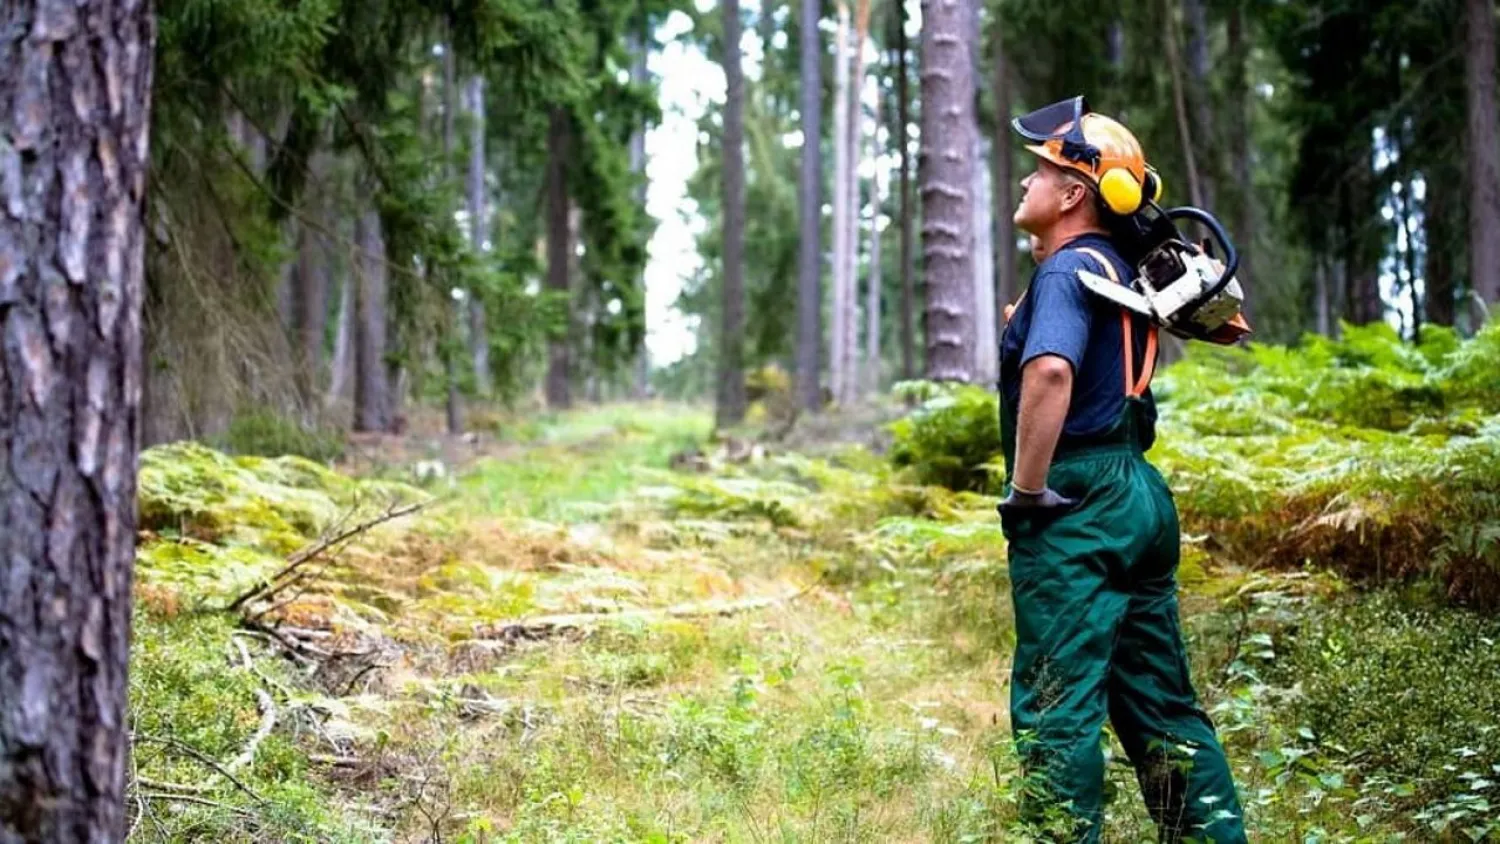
x=1047, y=501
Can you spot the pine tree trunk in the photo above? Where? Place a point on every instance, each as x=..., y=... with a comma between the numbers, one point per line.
x=580, y=311
x=810, y=202
x=903, y=118
x=871, y=368
x=559, y=249
x=1444, y=239
x=986, y=347
x=856, y=126
x=731, y=397
x=1007, y=287
x=1483, y=150
x=946, y=164
x=286, y=279
x=1180, y=107
x=1361, y=262
x=1240, y=105
x=310, y=295
x=372, y=408
x=1195, y=16
x=341, y=368
x=837, y=375
x=455, y=406
x=76, y=104
x=479, y=335
x=1321, y=308
x=639, y=76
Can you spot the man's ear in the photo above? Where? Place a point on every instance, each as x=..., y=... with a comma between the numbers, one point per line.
x=1074, y=195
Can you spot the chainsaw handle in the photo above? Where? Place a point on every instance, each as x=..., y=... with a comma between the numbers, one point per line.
x=1231, y=255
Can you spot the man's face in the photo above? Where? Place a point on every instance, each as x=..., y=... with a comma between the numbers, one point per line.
x=1046, y=195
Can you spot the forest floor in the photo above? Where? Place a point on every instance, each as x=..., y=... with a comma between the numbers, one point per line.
x=609, y=628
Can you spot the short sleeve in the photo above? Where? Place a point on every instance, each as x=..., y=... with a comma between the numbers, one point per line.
x=1060, y=319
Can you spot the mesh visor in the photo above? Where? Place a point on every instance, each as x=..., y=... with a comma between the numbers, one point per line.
x=1044, y=123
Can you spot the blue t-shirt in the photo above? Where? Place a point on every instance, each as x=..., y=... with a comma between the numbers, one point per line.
x=1059, y=316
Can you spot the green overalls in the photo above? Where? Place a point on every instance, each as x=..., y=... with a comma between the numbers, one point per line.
x=1095, y=596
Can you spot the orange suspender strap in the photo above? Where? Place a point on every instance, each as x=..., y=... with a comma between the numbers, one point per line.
x=1134, y=387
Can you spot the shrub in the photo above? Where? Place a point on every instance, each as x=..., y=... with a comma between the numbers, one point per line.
x=951, y=439
x=265, y=434
x=1407, y=691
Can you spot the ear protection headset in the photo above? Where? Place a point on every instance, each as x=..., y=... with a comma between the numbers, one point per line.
x=1123, y=195
x=1119, y=189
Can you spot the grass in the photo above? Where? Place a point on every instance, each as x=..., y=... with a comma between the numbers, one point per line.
x=868, y=701
x=582, y=460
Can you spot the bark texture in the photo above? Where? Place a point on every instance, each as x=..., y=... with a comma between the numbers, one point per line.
x=1483, y=150
x=1195, y=16
x=1239, y=106
x=1007, y=287
x=849, y=342
x=74, y=134
x=310, y=301
x=986, y=345
x=559, y=248
x=1444, y=231
x=903, y=119
x=479, y=336
x=1180, y=107
x=946, y=161
x=871, y=368
x=730, y=408
x=639, y=76
x=341, y=368
x=810, y=200
x=372, y=400
x=841, y=167
x=454, y=404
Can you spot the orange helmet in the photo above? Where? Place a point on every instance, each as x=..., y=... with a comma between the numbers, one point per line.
x=1067, y=134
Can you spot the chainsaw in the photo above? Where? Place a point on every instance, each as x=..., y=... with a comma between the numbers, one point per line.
x=1180, y=286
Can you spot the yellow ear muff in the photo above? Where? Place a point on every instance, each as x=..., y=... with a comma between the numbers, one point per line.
x=1120, y=191
x=1153, y=185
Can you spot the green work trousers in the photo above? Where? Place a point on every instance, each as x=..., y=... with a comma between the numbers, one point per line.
x=1097, y=635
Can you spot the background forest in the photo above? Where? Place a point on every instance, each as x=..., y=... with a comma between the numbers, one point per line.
x=360, y=208
x=574, y=420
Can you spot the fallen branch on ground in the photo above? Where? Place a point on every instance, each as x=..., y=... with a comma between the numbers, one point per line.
x=198, y=755
x=546, y=626
x=188, y=798
x=288, y=573
x=267, y=715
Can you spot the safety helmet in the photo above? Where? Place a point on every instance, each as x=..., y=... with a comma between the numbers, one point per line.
x=1071, y=136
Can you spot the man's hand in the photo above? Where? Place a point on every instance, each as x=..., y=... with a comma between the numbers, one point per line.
x=1048, y=500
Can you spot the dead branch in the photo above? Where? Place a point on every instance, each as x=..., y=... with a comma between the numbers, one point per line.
x=312, y=552
x=188, y=798
x=290, y=647
x=200, y=756
x=140, y=802
x=163, y=785
x=546, y=626
x=291, y=643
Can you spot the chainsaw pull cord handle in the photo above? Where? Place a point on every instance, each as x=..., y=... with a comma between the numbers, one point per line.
x=1134, y=387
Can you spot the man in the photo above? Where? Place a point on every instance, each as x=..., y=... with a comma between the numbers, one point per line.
x=1092, y=527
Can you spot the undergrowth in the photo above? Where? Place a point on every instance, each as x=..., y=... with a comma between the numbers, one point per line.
x=1367, y=455
x=588, y=644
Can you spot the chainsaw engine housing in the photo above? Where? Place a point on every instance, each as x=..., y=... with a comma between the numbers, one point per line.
x=1179, y=282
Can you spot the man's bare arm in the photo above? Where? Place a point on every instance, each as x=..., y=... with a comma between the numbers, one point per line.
x=1046, y=391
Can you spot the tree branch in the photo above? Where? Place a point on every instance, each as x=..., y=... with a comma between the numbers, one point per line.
x=318, y=548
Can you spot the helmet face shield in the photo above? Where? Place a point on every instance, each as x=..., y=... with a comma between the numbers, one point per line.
x=1047, y=122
